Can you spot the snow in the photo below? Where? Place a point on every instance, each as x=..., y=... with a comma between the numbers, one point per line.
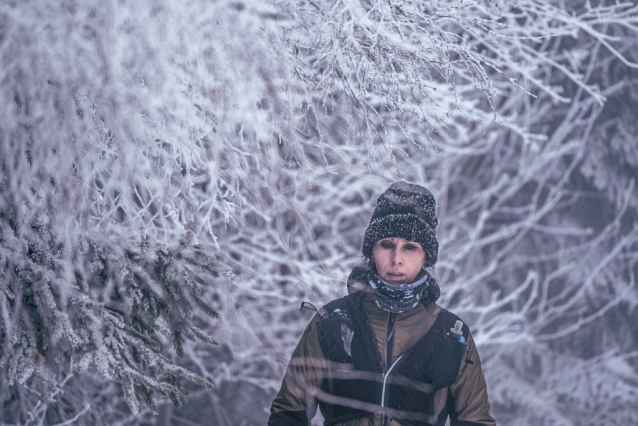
x=162, y=162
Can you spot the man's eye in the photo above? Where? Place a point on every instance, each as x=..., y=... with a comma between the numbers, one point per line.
x=410, y=247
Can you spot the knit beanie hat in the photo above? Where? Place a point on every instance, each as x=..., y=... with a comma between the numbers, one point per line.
x=404, y=210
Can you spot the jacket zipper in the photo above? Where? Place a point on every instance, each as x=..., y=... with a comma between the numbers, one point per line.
x=387, y=358
x=385, y=378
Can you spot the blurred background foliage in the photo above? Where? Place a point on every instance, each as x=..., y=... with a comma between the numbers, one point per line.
x=176, y=177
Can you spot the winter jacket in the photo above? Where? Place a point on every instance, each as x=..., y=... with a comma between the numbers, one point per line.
x=310, y=375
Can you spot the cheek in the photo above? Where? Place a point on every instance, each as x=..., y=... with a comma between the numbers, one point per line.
x=417, y=261
x=380, y=258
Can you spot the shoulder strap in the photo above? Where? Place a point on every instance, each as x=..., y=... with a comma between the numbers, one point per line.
x=347, y=337
x=335, y=331
x=437, y=355
x=345, y=334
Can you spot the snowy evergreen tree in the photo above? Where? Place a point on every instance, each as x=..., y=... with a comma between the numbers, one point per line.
x=165, y=162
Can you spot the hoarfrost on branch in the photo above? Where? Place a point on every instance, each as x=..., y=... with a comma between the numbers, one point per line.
x=163, y=164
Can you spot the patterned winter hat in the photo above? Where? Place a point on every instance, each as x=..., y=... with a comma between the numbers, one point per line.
x=404, y=210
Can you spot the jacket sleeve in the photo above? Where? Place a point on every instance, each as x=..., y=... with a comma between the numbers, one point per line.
x=295, y=403
x=468, y=403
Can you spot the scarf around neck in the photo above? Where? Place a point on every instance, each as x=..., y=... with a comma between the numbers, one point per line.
x=399, y=298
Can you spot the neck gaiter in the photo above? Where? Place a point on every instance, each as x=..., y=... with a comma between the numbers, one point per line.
x=400, y=297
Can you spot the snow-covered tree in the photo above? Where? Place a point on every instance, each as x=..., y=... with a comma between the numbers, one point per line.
x=163, y=162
